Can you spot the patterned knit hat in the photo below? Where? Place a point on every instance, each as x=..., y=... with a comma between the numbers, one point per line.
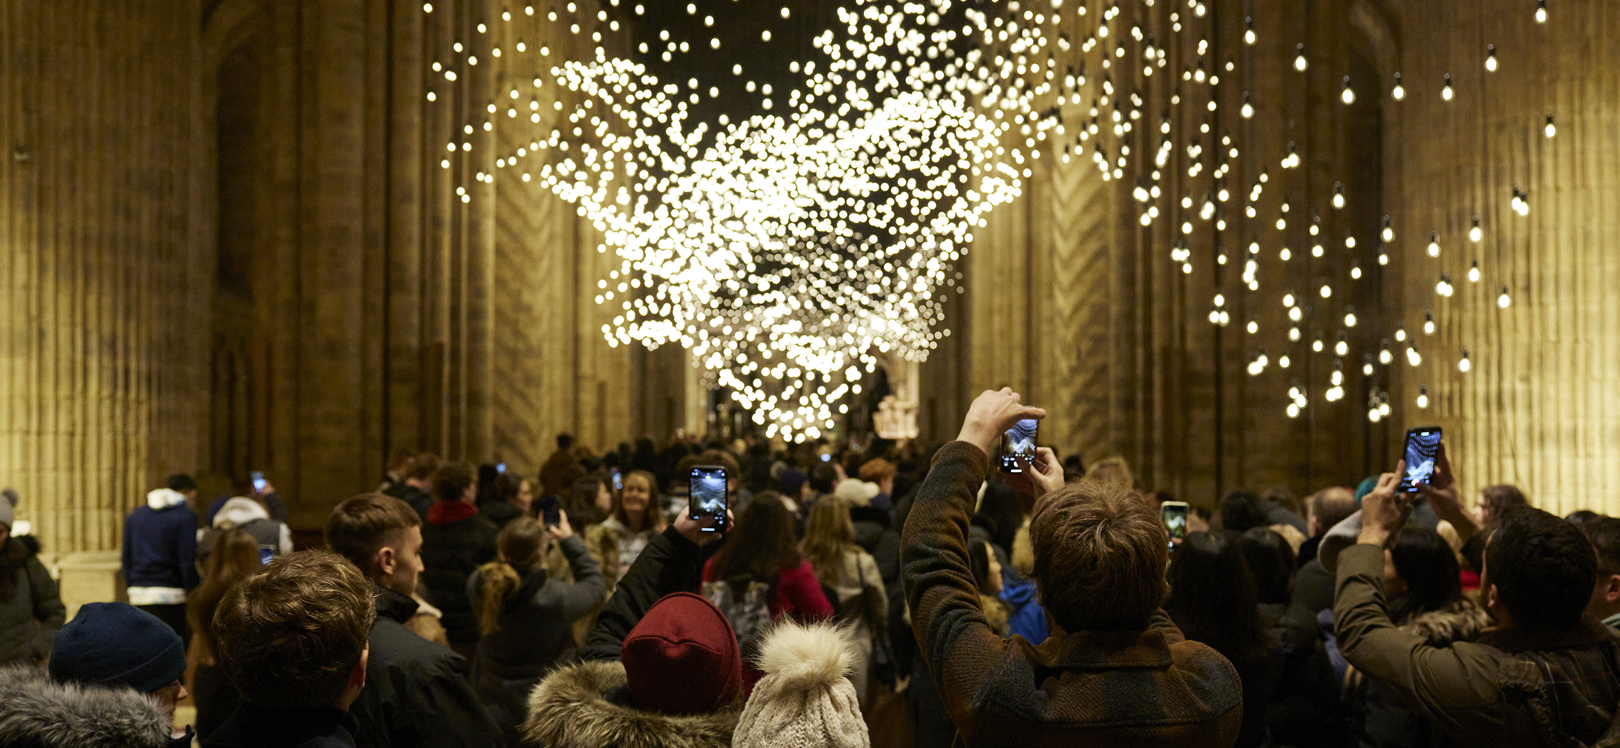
x=805, y=699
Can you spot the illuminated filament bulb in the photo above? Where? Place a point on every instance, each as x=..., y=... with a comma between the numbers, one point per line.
x=1300, y=63
x=1490, y=58
x=1342, y=347
x=1503, y=300
x=1350, y=316
x=1248, y=108
x=1473, y=272
x=1293, y=335
x=1475, y=234
x=1463, y=365
x=1400, y=334
x=1327, y=291
x=1443, y=287
x=1384, y=356
x=1423, y=396
x=1389, y=231
x=1355, y=271
x=1283, y=361
x=1348, y=94
x=1541, y=11
x=1413, y=358
x=1338, y=195
x=1434, y=244
x=1249, y=37
x=1254, y=327
x=1549, y=130
x=1521, y=202
x=1367, y=368
x=1446, y=92
x=1399, y=92
x=1428, y=322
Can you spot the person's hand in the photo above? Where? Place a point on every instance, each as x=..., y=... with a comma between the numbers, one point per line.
x=692, y=529
x=1383, y=511
x=993, y=412
x=562, y=530
x=1040, y=477
x=1441, y=491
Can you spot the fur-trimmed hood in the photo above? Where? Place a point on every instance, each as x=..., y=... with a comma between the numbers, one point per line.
x=588, y=706
x=1461, y=621
x=36, y=711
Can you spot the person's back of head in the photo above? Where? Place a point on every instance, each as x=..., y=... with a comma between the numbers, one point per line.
x=762, y=544
x=423, y=466
x=1213, y=597
x=582, y=507
x=718, y=457
x=399, y=461
x=1604, y=532
x=1271, y=561
x=1001, y=512
x=1493, y=500
x=565, y=442
x=1099, y=556
x=180, y=483
x=451, y=481
x=1543, y=569
x=823, y=478
x=234, y=555
x=1281, y=496
x=1112, y=470
x=877, y=470
x=1330, y=506
x=362, y=526
x=117, y=644
x=295, y=635
x=1241, y=512
x=828, y=534
x=1428, y=568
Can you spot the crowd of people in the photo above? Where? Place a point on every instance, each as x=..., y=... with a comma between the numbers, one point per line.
x=854, y=594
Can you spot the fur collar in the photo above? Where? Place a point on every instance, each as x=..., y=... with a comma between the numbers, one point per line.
x=575, y=707
x=1460, y=621
x=34, y=710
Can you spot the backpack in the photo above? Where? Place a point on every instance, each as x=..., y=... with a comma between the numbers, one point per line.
x=746, y=605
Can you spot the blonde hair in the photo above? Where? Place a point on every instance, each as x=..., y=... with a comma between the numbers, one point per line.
x=828, y=534
x=521, y=545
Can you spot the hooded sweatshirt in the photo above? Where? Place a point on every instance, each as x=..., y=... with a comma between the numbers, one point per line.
x=160, y=550
x=37, y=711
x=252, y=518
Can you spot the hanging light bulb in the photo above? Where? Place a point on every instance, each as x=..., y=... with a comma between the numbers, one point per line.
x=1349, y=316
x=1400, y=334
x=1316, y=344
x=1288, y=299
x=1428, y=322
x=1412, y=356
x=1490, y=58
x=1254, y=327
x=1464, y=365
x=1293, y=410
x=1475, y=234
x=1549, y=130
x=1338, y=195
x=1423, y=396
x=1283, y=361
x=1248, y=31
x=1384, y=356
x=1343, y=346
x=1355, y=271
x=1473, y=272
x=1446, y=93
x=1504, y=301
x=1389, y=232
x=1299, y=59
x=1327, y=291
x=1367, y=368
x=1399, y=92
x=1444, y=287
x=1383, y=404
x=1348, y=95
x=1434, y=244
x=1293, y=333
x=1248, y=108
x=1541, y=11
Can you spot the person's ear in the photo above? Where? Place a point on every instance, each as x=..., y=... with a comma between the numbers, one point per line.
x=387, y=560
x=1492, y=599
x=357, y=676
x=1611, y=592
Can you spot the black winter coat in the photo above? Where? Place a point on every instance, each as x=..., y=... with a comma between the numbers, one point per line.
x=452, y=553
x=416, y=691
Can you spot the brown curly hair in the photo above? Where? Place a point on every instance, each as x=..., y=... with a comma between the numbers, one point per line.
x=290, y=636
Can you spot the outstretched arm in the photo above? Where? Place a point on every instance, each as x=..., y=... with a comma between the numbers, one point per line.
x=672, y=562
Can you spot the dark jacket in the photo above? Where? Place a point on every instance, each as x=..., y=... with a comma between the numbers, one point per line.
x=160, y=543
x=253, y=726
x=419, y=500
x=416, y=691
x=670, y=563
x=1510, y=688
x=1148, y=687
x=499, y=512
x=557, y=476
x=452, y=553
x=29, y=620
x=536, y=634
x=36, y=712
x=874, y=535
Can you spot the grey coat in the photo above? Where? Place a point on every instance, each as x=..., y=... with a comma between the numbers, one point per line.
x=36, y=712
x=29, y=620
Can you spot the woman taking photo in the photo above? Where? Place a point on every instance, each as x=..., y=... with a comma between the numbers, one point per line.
x=525, y=617
x=634, y=522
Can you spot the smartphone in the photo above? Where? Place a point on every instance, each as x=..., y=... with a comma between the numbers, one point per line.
x=618, y=479
x=258, y=481
x=1019, y=441
x=501, y=469
x=265, y=554
x=707, y=492
x=550, y=511
x=1422, y=448
x=1174, y=514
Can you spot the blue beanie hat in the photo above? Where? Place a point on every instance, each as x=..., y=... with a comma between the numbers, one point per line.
x=117, y=644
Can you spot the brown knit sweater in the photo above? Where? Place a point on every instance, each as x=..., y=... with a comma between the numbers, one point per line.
x=1089, y=688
